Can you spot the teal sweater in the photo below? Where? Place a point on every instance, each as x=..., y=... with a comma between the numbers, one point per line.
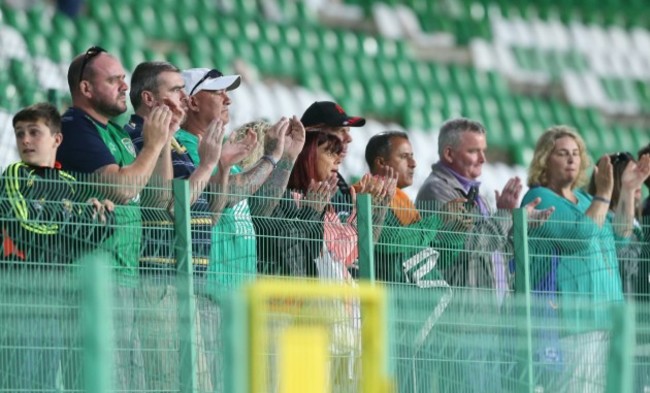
x=586, y=273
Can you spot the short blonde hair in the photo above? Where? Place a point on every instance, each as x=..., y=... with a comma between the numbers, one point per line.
x=259, y=127
x=537, y=174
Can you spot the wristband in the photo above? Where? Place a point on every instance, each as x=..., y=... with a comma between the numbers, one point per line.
x=270, y=160
x=601, y=199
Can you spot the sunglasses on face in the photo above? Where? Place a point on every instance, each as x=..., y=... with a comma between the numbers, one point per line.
x=212, y=74
x=90, y=53
x=621, y=157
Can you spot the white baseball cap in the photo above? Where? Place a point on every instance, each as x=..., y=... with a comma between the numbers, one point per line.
x=197, y=79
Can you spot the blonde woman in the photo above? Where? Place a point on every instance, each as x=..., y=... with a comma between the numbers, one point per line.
x=259, y=127
x=575, y=253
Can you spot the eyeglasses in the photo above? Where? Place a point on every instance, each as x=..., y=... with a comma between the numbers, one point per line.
x=90, y=53
x=621, y=157
x=212, y=74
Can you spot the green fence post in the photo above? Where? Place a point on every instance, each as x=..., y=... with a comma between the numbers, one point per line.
x=621, y=349
x=365, y=240
x=236, y=336
x=522, y=294
x=185, y=287
x=97, y=323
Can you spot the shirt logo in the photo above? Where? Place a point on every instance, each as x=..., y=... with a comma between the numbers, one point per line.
x=129, y=145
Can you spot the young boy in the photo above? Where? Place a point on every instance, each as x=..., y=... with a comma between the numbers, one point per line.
x=40, y=200
x=46, y=222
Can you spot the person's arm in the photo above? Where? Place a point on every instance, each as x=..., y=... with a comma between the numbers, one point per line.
x=247, y=183
x=231, y=152
x=604, y=180
x=567, y=228
x=128, y=181
x=210, y=148
x=268, y=195
x=15, y=179
x=631, y=180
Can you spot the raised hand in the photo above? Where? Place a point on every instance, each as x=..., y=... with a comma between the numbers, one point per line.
x=295, y=139
x=101, y=208
x=210, y=143
x=235, y=150
x=509, y=196
x=319, y=194
x=455, y=215
x=389, y=178
x=381, y=188
x=274, y=139
x=178, y=115
x=604, y=177
x=636, y=173
x=537, y=217
x=155, y=131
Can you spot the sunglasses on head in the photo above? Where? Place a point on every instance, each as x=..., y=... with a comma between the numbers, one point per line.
x=212, y=74
x=621, y=157
x=90, y=53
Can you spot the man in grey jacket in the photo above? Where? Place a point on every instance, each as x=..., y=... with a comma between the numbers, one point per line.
x=481, y=263
x=461, y=147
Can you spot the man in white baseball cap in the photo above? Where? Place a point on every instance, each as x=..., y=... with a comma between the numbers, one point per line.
x=208, y=90
x=233, y=256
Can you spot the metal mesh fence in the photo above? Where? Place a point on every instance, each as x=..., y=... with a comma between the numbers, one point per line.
x=459, y=321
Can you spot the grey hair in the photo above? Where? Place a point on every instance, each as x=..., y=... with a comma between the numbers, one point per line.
x=451, y=130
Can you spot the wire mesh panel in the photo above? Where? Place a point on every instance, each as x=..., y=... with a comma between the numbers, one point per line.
x=450, y=350
x=50, y=229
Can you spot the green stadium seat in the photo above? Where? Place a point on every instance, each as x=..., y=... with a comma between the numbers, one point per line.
x=544, y=113
x=328, y=41
x=9, y=97
x=306, y=62
x=386, y=70
x=351, y=43
x=37, y=44
x=246, y=7
x=440, y=76
x=16, y=19
x=88, y=33
x=293, y=37
x=182, y=61
x=405, y=72
x=200, y=51
x=286, y=62
x=366, y=68
x=423, y=75
x=264, y=58
x=346, y=65
x=223, y=55
x=189, y=24
x=60, y=49
x=31, y=96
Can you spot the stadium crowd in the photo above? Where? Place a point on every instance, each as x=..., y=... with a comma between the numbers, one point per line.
x=269, y=200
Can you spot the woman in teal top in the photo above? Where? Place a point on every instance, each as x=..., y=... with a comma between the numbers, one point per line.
x=574, y=252
x=580, y=233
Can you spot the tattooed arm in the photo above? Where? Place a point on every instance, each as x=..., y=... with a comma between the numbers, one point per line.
x=267, y=197
x=248, y=183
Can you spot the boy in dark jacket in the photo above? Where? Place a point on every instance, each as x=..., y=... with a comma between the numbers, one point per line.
x=46, y=222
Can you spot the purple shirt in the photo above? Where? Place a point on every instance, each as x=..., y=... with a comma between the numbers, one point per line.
x=467, y=183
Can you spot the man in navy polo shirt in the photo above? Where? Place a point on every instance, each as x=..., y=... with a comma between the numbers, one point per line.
x=155, y=84
x=92, y=144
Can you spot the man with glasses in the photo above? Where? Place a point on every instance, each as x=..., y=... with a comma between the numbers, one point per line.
x=233, y=258
x=93, y=144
